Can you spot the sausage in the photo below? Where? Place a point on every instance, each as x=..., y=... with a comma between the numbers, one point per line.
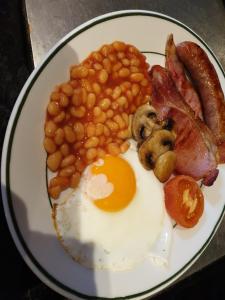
x=208, y=86
x=177, y=73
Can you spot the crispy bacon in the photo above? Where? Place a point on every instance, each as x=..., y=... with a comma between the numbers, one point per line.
x=177, y=73
x=195, y=146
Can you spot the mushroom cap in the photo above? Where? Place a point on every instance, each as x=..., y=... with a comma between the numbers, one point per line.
x=155, y=145
x=144, y=122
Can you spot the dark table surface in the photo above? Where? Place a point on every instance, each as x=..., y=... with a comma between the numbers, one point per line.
x=18, y=282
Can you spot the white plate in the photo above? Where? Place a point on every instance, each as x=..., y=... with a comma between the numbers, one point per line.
x=24, y=190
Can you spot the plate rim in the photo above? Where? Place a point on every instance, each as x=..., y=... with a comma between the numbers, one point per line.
x=17, y=236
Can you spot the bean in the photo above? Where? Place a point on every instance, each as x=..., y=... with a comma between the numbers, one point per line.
x=97, y=56
x=106, y=131
x=134, y=69
x=121, y=101
x=79, y=165
x=144, y=82
x=105, y=103
x=123, y=134
x=78, y=128
x=67, y=171
x=125, y=86
x=119, y=46
x=102, y=140
x=75, y=179
x=50, y=128
x=97, y=111
x=135, y=62
x=54, y=160
x=124, y=146
x=101, y=118
x=55, y=96
x=124, y=72
x=61, y=116
x=97, y=66
x=49, y=145
x=77, y=145
x=112, y=125
x=53, y=108
x=125, y=62
x=135, y=89
x=112, y=57
x=108, y=91
x=99, y=129
x=107, y=65
x=82, y=151
x=63, y=182
x=105, y=50
x=69, y=134
x=119, y=141
x=91, y=142
x=91, y=72
x=132, y=108
x=120, y=55
x=74, y=83
x=113, y=149
x=117, y=66
x=115, y=75
x=109, y=114
x=63, y=100
x=78, y=112
x=129, y=96
x=125, y=118
x=64, y=148
x=84, y=95
x=132, y=49
x=54, y=192
x=79, y=72
x=91, y=98
x=67, y=89
x=76, y=100
x=101, y=153
x=67, y=161
x=136, y=77
x=90, y=130
x=108, y=140
x=59, y=136
x=91, y=153
x=115, y=105
x=87, y=85
x=116, y=92
x=118, y=119
x=103, y=76
x=96, y=88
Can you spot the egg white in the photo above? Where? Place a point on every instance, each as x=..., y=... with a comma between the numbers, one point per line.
x=118, y=240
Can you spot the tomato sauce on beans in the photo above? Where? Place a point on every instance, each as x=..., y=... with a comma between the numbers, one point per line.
x=89, y=116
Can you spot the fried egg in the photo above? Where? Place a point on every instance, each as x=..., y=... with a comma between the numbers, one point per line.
x=114, y=217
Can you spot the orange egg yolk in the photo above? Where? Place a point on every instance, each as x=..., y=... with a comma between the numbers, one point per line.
x=119, y=172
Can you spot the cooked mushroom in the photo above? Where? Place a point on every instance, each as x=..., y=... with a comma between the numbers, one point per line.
x=164, y=166
x=144, y=122
x=155, y=145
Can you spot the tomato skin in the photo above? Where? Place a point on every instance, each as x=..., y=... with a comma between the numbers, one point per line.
x=184, y=200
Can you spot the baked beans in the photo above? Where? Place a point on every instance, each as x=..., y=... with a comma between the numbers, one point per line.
x=89, y=116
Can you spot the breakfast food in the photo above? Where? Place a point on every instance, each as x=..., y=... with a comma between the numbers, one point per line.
x=85, y=224
x=177, y=73
x=208, y=85
x=196, y=152
x=114, y=133
x=88, y=117
x=184, y=200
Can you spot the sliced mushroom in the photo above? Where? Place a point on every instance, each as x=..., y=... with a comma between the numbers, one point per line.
x=144, y=122
x=165, y=165
x=155, y=145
